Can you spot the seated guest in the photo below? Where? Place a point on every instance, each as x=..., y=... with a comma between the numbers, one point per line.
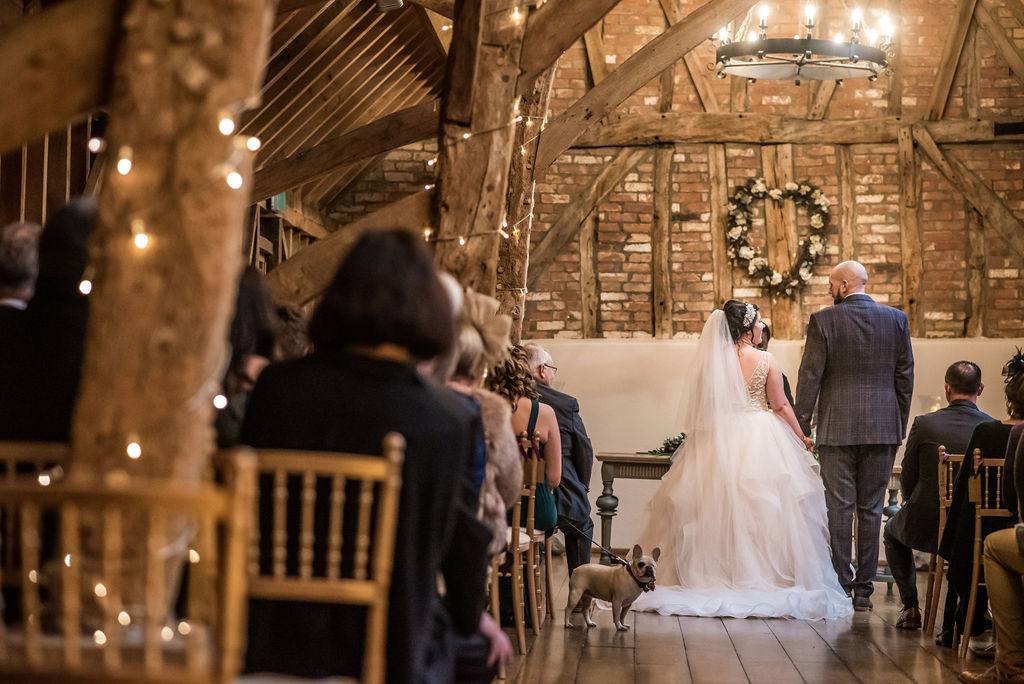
x=383, y=312
x=766, y=336
x=1004, y=576
x=958, y=535
x=292, y=340
x=19, y=264
x=571, y=498
x=1010, y=492
x=513, y=381
x=46, y=364
x=915, y=525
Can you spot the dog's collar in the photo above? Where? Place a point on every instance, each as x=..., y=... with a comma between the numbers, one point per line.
x=646, y=586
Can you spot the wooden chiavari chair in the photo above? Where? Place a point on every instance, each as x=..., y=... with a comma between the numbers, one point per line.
x=377, y=483
x=986, y=493
x=949, y=465
x=97, y=603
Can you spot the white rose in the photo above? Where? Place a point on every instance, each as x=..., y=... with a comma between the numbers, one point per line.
x=759, y=262
x=776, y=278
x=804, y=189
x=746, y=253
x=816, y=221
x=791, y=186
x=759, y=186
x=741, y=219
x=735, y=233
x=805, y=274
x=732, y=207
x=815, y=239
x=815, y=249
x=775, y=194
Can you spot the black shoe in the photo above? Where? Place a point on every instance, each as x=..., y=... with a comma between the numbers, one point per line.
x=861, y=604
x=944, y=638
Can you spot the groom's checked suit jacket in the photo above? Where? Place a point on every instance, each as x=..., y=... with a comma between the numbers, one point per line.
x=859, y=367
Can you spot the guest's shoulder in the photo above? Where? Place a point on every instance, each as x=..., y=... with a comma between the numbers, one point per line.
x=549, y=395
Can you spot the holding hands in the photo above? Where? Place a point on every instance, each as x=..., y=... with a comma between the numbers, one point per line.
x=808, y=442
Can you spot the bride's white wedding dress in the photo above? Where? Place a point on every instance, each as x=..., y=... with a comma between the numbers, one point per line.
x=740, y=517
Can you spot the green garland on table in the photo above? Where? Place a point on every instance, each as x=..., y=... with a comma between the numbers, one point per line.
x=811, y=247
x=670, y=445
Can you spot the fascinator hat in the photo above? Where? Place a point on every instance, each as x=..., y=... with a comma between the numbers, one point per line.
x=483, y=338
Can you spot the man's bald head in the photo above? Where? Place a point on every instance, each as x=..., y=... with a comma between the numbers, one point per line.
x=847, y=278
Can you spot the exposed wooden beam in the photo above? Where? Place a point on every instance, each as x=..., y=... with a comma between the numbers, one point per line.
x=910, y=232
x=895, y=96
x=441, y=28
x=652, y=128
x=286, y=6
x=594, y=44
x=739, y=98
x=977, y=282
x=305, y=217
x=568, y=223
x=307, y=274
x=696, y=71
x=970, y=65
x=781, y=237
x=590, y=296
x=1010, y=53
x=721, y=268
x=818, y=106
x=631, y=75
x=446, y=8
x=987, y=203
x=1014, y=7
x=661, y=243
x=847, y=204
x=666, y=89
x=551, y=29
x=57, y=68
x=949, y=60
x=395, y=130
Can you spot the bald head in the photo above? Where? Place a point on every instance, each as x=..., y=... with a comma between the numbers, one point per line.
x=847, y=278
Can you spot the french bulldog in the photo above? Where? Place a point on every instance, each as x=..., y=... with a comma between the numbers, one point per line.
x=620, y=585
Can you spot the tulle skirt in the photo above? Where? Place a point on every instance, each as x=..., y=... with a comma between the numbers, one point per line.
x=741, y=523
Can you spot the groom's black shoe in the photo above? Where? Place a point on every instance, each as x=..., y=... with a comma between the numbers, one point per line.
x=861, y=604
x=910, y=618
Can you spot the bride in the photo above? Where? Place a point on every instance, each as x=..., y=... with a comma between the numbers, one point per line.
x=740, y=516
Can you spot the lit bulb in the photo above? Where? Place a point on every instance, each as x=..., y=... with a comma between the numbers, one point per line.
x=515, y=13
x=95, y=145
x=519, y=118
x=856, y=17
x=462, y=240
x=166, y=633
x=193, y=556
x=810, y=14
x=522, y=148
x=465, y=136
x=432, y=162
x=529, y=121
x=184, y=628
x=446, y=27
x=234, y=180
x=85, y=287
x=100, y=590
x=503, y=234
x=751, y=37
x=33, y=576
x=141, y=240
x=253, y=143
x=124, y=618
x=44, y=480
x=428, y=186
x=67, y=560
x=220, y=402
x=133, y=450
x=838, y=38
x=226, y=126
x=872, y=34
x=124, y=160
x=426, y=234
x=99, y=637
x=723, y=33
x=763, y=15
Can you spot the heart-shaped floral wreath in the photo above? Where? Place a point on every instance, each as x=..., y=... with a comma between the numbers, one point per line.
x=743, y=254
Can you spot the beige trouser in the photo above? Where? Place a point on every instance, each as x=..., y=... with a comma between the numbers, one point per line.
x=1004, y=569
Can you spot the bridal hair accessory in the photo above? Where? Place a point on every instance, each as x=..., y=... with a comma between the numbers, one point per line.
x=749, y=315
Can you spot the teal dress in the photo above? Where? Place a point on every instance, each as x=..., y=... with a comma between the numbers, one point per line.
x=545, y=513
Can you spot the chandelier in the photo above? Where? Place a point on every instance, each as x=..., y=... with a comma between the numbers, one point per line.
x=806, y=58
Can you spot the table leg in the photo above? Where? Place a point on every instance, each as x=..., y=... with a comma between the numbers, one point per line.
x=607, y=505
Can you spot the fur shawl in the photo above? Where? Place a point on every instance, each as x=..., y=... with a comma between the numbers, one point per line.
x=503, y=477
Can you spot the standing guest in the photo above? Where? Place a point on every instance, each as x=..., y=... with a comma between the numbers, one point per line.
x=19, y=264
x=915, y=525
x=766, y=336
x=292, y=341
x=41, y=376
x=383, y=313
x=512, y=380
x=858, y=368
x=577, y=460
x=957, y=542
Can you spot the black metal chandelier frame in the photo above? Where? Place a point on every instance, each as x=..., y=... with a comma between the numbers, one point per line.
x=799, y=59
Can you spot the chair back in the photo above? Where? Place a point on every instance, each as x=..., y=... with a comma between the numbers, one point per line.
x=355, y=498
x=949, y=465
x=524, y=510
x=985, y=490
x=97, y=572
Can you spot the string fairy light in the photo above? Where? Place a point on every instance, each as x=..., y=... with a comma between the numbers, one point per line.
x=252, y=143
x=234, y=179
x=124, y=160
x=226, y=125
x=95, y=145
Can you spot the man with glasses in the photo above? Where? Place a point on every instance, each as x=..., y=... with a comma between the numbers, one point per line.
x=577, y=460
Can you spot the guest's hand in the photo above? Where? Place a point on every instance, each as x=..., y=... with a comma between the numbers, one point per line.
x=501, y=647
x=808, y=443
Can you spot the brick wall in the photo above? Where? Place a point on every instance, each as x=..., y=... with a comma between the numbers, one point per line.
x=623, y=247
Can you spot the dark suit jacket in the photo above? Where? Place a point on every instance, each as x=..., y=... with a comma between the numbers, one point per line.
x=859, y=368
x=916, y=523
x=334, y=401
x=577, y=455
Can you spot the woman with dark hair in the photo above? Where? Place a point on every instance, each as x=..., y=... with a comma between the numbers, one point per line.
x=740, y=517
x=384, y=311
x=957, y=541
x=512, y=380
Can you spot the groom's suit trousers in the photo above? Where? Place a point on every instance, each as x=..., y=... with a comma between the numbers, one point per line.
x=856, y=478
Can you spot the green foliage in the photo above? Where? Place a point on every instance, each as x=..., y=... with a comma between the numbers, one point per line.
x=670, y=445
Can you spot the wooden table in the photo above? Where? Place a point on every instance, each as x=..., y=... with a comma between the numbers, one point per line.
x=630, y=467
x=653, y=466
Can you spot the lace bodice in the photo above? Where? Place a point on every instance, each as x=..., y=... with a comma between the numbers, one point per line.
x=757, y=395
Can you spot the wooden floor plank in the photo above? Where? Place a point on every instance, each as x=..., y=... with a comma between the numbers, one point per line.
x=710, y=651
x=860, y=655
x=813, y=658
x=762, y=656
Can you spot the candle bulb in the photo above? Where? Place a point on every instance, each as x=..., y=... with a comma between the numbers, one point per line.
x=810, y=16
x=723, y=33
x=763, y=17
x=856, y=19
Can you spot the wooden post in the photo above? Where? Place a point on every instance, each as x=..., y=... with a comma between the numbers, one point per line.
x=514, y=252
x=895, y=107
x=739, y=100
x=977, y=283
x=661, y=243
x=847, y=204
x=910, y=239
x=590, y=295
x=950, y=59
x=972, y=73
x=720, y=265
x=476, y=138
x=155, y=347
x=782, y=240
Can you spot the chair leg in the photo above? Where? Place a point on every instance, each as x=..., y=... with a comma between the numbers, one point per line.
x=549, y=590
x=965, y=638
x=538, y=580
x=495, y=610
x=517, y=601
x=933, y=608
x=928, y=594
x=531, y=582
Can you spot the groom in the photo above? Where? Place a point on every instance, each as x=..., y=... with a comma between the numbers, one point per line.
x=859, y=368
